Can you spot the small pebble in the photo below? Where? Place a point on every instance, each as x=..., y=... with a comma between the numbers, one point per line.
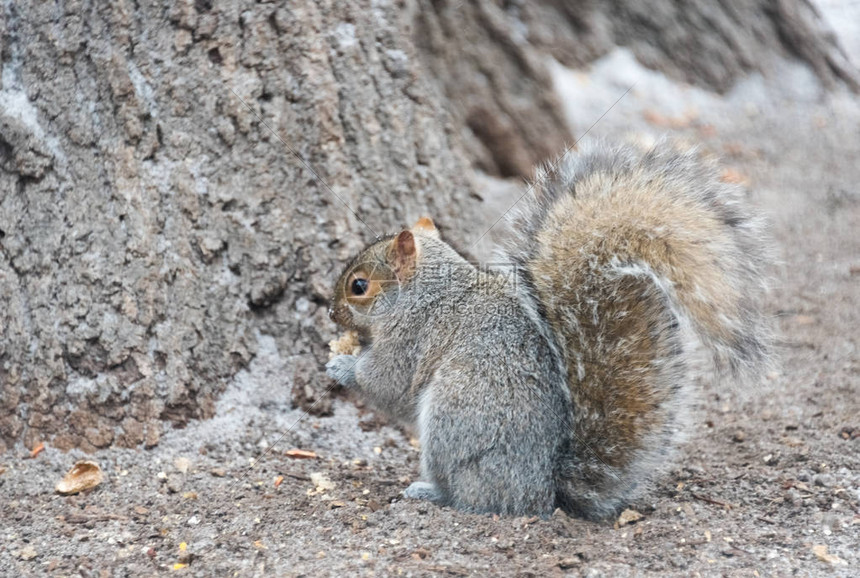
x=823, y=480
x=175, y=483
x=793, y=497
x=27, y=553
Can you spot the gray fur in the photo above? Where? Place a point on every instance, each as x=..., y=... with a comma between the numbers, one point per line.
x=491, y=410
x=501, y=399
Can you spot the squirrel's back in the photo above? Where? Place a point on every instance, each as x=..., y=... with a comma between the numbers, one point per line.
x=627, y=252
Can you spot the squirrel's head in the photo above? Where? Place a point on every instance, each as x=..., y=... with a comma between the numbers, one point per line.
x=372, y=281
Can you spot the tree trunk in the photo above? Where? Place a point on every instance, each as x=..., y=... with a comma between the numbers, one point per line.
x=152, y=225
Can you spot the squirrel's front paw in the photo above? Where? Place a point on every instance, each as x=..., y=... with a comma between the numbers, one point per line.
x=342, y=369
x=423, y=491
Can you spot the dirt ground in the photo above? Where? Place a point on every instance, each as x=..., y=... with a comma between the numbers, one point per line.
x=768, y=483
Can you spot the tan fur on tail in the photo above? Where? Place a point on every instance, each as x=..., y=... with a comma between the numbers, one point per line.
x=622, y=250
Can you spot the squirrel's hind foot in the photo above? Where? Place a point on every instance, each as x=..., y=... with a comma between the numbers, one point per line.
x=423, y=491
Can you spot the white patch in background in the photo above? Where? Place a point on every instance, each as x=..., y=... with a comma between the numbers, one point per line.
x=588, y=94
x=657, y=104
x=254, y=386
x=499, y=196
x=258, y=400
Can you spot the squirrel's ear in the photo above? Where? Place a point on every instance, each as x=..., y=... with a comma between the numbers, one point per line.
x=403, y=255
x=425, y=226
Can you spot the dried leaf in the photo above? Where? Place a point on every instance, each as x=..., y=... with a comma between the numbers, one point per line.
x=37, y=450
x=84, y=475
x=301, y=454
x=629, y=517
x=820, y=551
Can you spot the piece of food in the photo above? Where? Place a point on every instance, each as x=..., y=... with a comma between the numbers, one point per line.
x=346, y=344
x=84, y=475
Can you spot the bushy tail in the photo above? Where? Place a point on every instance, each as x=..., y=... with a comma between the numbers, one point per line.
x=627, y=253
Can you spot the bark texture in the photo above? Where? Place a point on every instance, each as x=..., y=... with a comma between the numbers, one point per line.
x=152, y=225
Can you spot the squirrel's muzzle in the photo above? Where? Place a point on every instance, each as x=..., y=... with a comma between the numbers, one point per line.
x=340, y=314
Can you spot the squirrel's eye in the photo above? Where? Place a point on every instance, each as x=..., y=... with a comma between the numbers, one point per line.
x=359, y=287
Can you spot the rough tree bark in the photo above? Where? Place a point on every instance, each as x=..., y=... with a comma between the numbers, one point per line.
x=151, y=225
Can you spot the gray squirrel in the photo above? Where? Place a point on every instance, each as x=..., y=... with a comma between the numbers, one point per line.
x=562, y=385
